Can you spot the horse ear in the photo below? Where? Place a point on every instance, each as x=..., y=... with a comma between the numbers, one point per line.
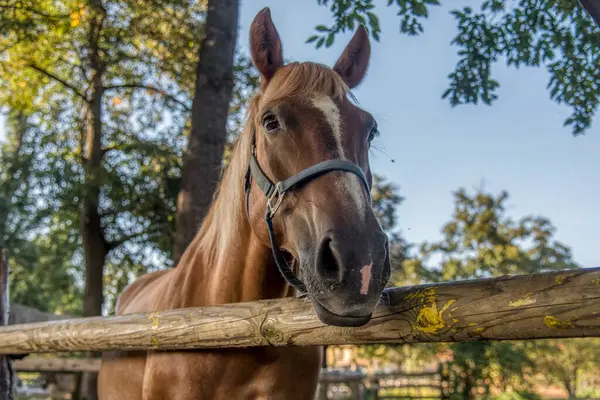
x=352, y=64
x=265, y=46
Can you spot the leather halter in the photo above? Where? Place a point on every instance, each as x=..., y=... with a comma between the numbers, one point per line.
x=276, y=192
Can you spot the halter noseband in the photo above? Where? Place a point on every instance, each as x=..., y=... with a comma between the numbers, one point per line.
x=276, y=192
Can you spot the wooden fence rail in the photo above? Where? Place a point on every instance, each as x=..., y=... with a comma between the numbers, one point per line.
x=357, y=382
x=55, y=364
x=536, y=306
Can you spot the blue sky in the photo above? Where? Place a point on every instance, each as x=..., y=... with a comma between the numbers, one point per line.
x=518, y=144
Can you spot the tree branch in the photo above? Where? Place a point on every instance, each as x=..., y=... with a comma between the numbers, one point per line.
x=152, y=88
x=593, y=8
x=59, y=80
x=82, y=128
x=125, y=238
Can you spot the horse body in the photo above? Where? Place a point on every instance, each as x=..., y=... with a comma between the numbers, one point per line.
x=300, y=119
x=257, y=373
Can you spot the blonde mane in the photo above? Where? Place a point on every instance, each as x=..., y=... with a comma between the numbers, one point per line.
x=226, y=217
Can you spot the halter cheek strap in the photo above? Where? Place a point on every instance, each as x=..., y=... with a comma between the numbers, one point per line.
x=276, y=192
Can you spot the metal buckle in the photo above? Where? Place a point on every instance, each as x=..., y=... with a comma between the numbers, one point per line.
x=276, y=194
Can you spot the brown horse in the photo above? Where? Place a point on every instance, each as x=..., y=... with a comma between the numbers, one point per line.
x=304, y=133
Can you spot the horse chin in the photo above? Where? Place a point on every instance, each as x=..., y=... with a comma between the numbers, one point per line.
x=329, y=318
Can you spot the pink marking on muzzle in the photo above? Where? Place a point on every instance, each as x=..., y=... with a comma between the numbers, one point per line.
x=365, y=278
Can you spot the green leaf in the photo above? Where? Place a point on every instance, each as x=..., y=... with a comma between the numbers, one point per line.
x=373, y=21
x=420, y=9
x=329, y=40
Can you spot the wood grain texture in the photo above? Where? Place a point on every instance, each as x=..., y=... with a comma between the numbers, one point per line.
x=546, y=305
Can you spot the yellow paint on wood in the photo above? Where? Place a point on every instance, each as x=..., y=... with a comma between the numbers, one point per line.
x=553, y=322
x=560, y=279
x=429, y=319
x=523, y=301
x=154, y=317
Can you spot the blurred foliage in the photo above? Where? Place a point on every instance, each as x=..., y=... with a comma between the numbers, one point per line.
x=385, y=202
x=50, y=56
x=481, y=240
x=556, y=34
x=148, y=54
x=566, y=362
x=42, y=271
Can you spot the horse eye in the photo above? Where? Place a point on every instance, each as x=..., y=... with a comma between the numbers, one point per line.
x=373, y=133
x=270, y=123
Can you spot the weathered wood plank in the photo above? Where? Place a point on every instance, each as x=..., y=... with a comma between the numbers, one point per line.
x=546, y=305
x=6, y=371
x=54, y=364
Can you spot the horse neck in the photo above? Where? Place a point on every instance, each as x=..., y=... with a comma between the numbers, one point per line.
x=226, y=262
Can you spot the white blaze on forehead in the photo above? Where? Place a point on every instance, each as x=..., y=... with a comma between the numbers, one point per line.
x=350, y=183
x=332, y=115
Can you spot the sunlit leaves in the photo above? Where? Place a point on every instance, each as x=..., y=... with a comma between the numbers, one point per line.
x=148, y=53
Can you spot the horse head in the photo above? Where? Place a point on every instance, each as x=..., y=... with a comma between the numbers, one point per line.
x=309, y=177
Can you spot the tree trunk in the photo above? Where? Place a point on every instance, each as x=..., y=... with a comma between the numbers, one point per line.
x=468, y=387
x=210, y=108
x=94, y=244
x=571, y=384
x=570, y=389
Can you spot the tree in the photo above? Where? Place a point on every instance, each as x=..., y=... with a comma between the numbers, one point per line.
x=34, y=279
x=210, y=109
x=93, y=67
x=557, y=34
x=565, y=361
x=482, y=241
x=95, y=79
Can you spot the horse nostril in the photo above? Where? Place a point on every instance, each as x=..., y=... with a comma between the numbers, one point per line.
x=328, y=266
